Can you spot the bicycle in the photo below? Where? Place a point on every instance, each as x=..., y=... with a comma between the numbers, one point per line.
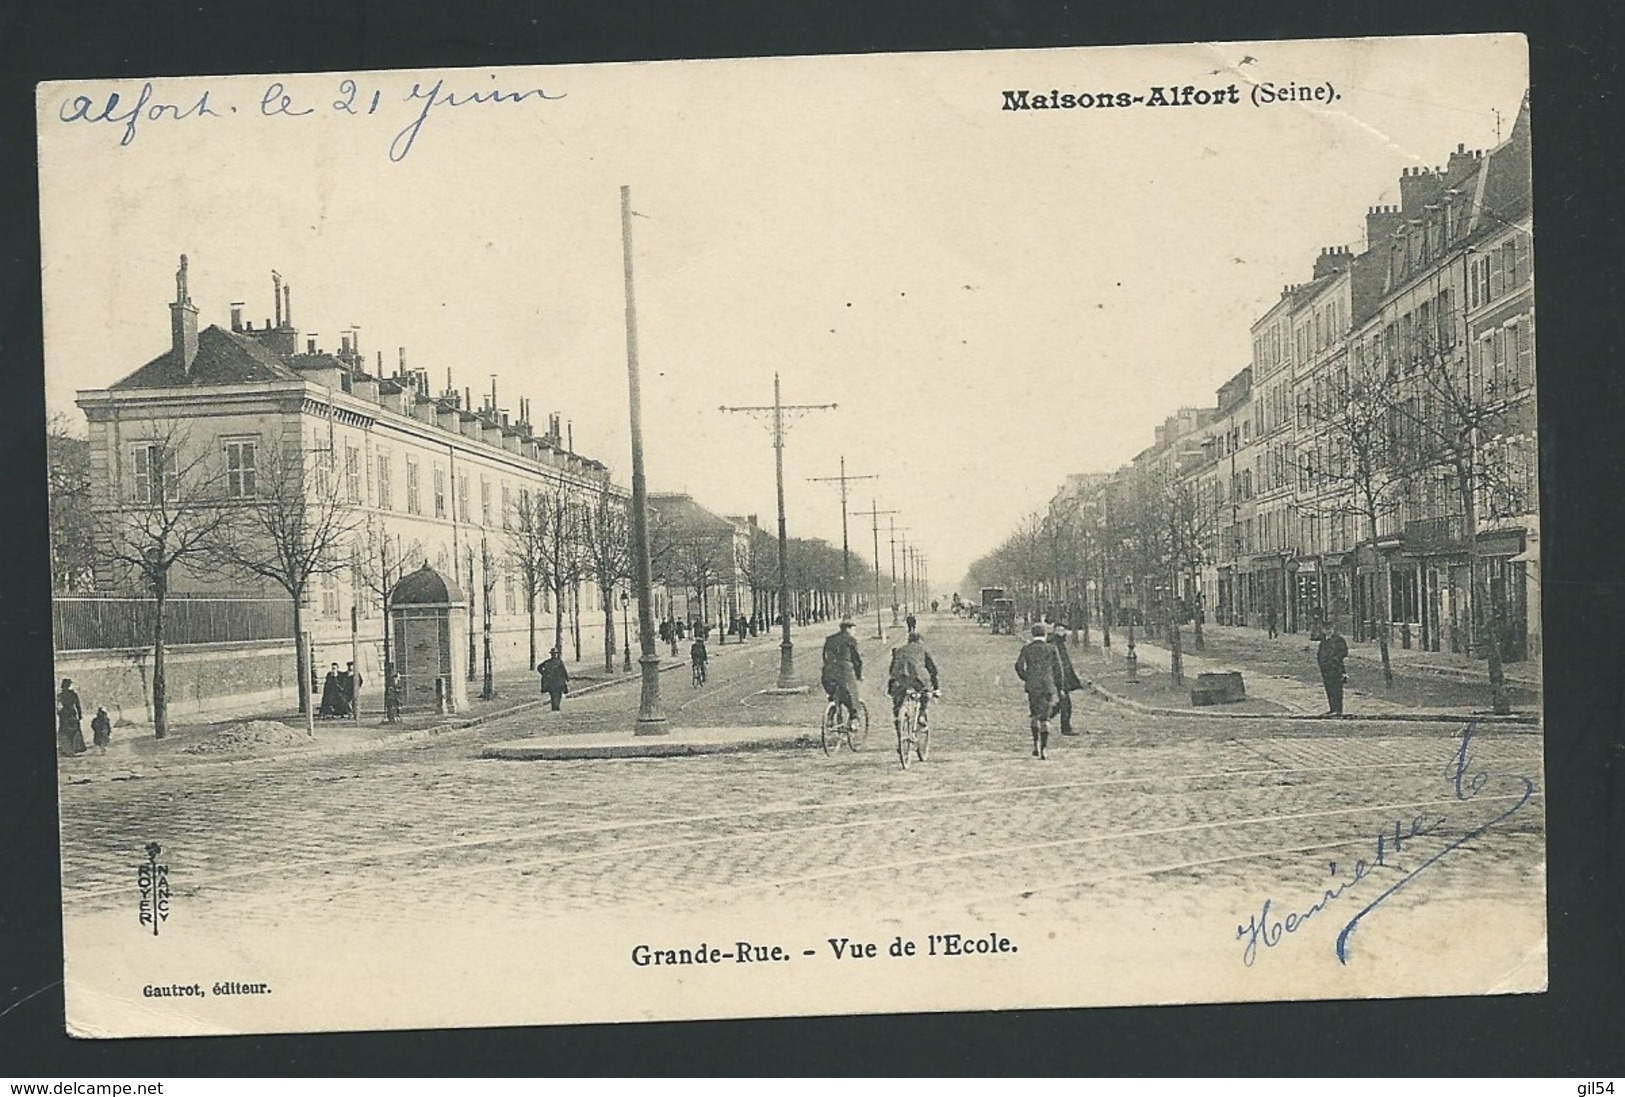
x=913, y=737
x=699, y=675
x=839, y=723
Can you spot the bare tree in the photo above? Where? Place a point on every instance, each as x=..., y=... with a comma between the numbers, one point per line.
x=695, y=560
x=1358, y=465
x=73, y=522
x=756, y=560
x=169, y=522
x=379, y=562
x=607, y=548
x=1455, y=415
x=291, y=527
x=545, y=545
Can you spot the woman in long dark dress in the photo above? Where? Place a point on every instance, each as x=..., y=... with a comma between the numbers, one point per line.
x=333, y=701
x=70, y=736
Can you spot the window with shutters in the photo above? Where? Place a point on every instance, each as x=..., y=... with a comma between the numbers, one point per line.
x=242, y=467
x=439, y=492
x=352, y=474
x=156, y=471
x=386, y=487
x=414, y=499
x=1523, y=371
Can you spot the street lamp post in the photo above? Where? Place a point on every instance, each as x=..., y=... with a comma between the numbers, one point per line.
x=650, y=721
x=1132, y=660
x=626, y=635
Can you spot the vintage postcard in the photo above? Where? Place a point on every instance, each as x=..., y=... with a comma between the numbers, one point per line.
x=797, y=536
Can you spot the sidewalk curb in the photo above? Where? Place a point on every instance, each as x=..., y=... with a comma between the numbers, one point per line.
x=668, y=663
x=1374, y=718
x=651, y=747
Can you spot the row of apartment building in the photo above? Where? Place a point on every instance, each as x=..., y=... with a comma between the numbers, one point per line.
x=1441, y=294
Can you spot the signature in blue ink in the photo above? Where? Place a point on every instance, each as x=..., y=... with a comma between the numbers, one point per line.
x=439, y=96
x=1269, y=930
x=83, y=108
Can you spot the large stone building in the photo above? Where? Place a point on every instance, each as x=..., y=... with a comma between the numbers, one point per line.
x=420, y=476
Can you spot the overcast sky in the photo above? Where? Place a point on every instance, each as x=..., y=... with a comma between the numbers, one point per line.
x=994, y=298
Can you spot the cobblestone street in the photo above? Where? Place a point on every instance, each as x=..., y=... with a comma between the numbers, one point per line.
x=1139, y=814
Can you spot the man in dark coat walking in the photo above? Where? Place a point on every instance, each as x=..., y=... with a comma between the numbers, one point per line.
x=1331, y=653
x=1069, y=677
x=555, y=678
x=1039, y=668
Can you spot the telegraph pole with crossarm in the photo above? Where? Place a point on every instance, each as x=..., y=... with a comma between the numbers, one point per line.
x=874, y=512
x=846, y=552
x=787, y=678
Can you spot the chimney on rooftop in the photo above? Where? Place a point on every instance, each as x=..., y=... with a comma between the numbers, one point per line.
x=310, y=343
x=237, y=316
x=287, y=304
x=1380, y=223
x=183, y=322
x=1332, y=260
x=276, y=296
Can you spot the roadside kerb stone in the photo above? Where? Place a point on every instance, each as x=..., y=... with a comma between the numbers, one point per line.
x=680, y=743
x=1372, y=717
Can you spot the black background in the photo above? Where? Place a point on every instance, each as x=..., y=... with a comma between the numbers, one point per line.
x=1576, y=1030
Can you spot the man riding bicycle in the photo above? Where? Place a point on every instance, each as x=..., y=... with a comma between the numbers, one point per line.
x=911, y=668
x=843, y=669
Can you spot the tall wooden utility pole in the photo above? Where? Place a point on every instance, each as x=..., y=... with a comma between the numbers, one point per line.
x=894, y=532
x=650, y=720
x=787, y=677
x=874, y=512
x=846, y=552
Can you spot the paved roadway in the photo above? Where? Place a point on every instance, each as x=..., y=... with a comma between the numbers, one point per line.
x=1140, y=814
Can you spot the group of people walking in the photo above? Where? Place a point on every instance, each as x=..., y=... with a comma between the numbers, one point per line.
x=1044, y=666
x=339, y=691
x=70, y=716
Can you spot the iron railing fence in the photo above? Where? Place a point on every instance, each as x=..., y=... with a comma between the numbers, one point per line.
x=93, y=623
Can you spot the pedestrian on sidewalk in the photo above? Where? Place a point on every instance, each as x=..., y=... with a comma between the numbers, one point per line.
x=351, y=681
x=1039, y=668
x=101, y=730
x=333, y=703
x=698, y=657
x=555, y=678
x=1330, y=656
x=1069, y=677
x=1269, y=622
x=70, y=735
